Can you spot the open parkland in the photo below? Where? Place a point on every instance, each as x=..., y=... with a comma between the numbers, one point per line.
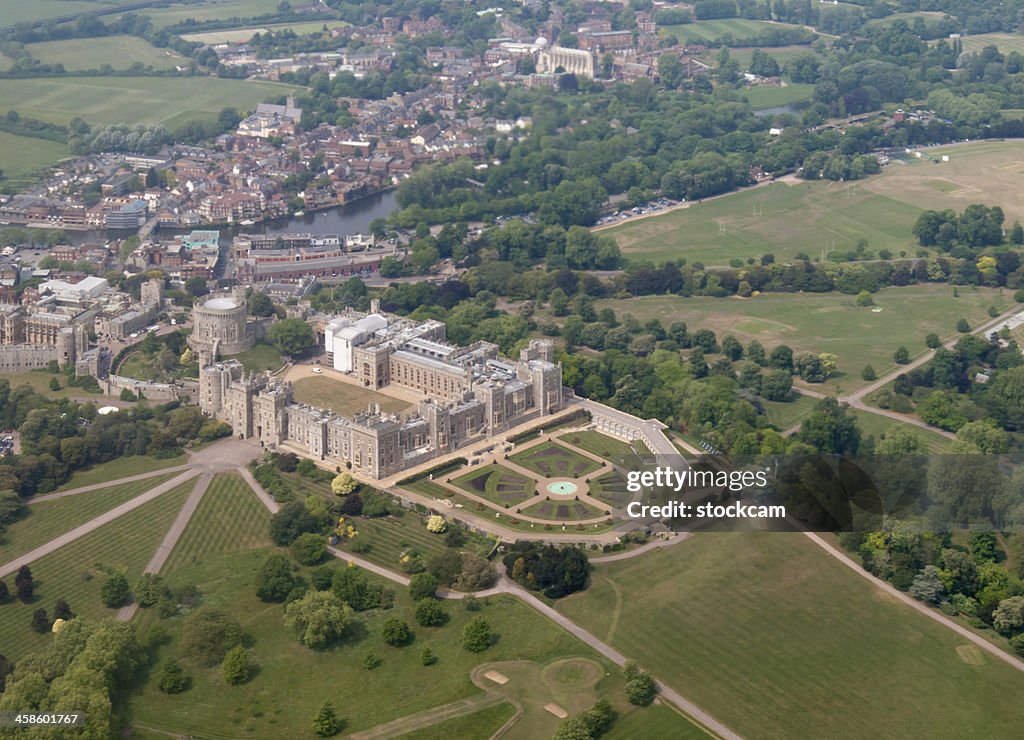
x=683, y=606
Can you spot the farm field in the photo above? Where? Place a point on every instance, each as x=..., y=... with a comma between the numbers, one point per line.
x=22, y=156
x=149, y=100
x=711, y=30
x=293, y=680
x=1005, y=42
x=829, y=322
x=20, y=11
x=344, y=398
x=239, y=35
x=76, y=571
x=766, y=96
x=120, y=52
x=794, y=216
x=787, y=644
x=210, y=10
x=44, y=521
x=230, y=518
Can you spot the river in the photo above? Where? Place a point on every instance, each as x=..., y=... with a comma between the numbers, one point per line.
x=351, y=218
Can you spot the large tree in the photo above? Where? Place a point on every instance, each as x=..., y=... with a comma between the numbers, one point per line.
x=292, y=336
x=319, y=618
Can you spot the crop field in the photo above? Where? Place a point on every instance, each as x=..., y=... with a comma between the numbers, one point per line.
x=76, y=571
x=48, y=519
x=230, y=518
x=766, y=96
x=22, y=156
x=21, y=11
x=777, y=639
x=344, y=398
x=793, y=216
x=120, y=52
x=210, y=10
x=830, y=322
x=240, y=35
x=293, y=681
x=712, y=30
x=149, y=100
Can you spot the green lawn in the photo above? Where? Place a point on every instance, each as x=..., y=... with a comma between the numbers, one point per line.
x=614, y=450
x=20, y=11
x=780, y=218
x=830, y=322
x=120, y=52
x=785, y=414
x=122, y=467
x=293, y=681
x=344, y=398
x=44, y=521
x=877, y=425
x=240, y=35
x=656, y=721
x=230, y=518
x=563, y=510
x=766, y=96
x=777, y=639
x=552, y=460
x=1005, y=42
x=703, y=31
x=610, y=488
x=76, y=571
x=497, y=484
x=210, y=10
x=260, y=357
x=39, y=380
x=391, y=538
x=22, y=156
x=477, y=725
x=149, y=100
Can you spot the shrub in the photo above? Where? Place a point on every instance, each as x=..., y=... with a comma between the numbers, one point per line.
x=208, y=635
x=430, y=613
x=436, y=524
x=172, y=678
x=422, y=586
x=326, y=722
x=150, y=589
x=115, y=590
x=477, y=635
x=371, y=660
x=640, y=687
x=236, y=667
x=40, y=622
x=309, y=548
x=427, y=657
x=396, y=632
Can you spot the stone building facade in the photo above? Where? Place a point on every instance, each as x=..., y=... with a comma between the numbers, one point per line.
x=469, y=394
x=219, y=325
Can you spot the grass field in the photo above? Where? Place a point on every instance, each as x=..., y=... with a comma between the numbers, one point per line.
x=777, y=639
x=766, y=96
x=149, y=100
x=391, y=537
x=479, y=724
x=39, y=380
x=210, y=10
x=44, y=521
x=877, y=425
x=1005, y=42
x=928, y=16
x=809, y=217
x=229, y=519
x=738, y=28
x=240, y=35
x=20, y=11
x=830, y=322
x=120, y=52
x=122, y=467
x=656, y=721
x=76, y=571
x=260, y=357
x=22, y=156
x=783, y=218
x=293, y=681
x=785, y=414
x=342, y=397
x=563, y=509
